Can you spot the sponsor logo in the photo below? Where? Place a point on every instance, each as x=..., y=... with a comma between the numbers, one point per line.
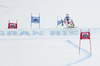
x=38, y=33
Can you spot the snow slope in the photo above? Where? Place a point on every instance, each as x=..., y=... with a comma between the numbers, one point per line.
x=23, y=47
x=40, y=52
x=83, y=12
x=48, y=49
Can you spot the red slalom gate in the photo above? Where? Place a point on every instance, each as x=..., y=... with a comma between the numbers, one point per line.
x=85, y=35
x=12, y=25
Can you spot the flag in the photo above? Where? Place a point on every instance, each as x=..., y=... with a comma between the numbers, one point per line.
x=59, y=22
x=12, y=25
x=35, y=19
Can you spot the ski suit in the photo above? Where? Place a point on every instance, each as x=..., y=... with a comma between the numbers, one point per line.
x=68, y=20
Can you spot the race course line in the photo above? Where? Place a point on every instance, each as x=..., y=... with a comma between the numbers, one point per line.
x=88, y=55
x=3, y=6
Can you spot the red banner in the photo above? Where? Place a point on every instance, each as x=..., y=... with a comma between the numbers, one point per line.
x=12, y=25
x=85, y=35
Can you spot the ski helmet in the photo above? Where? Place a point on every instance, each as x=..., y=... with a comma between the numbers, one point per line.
x=67, y=15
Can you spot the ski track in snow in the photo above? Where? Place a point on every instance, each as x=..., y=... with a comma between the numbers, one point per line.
x=3, y=6
x=88, y=55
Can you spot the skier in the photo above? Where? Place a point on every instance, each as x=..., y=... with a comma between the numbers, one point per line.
x=68, y=20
